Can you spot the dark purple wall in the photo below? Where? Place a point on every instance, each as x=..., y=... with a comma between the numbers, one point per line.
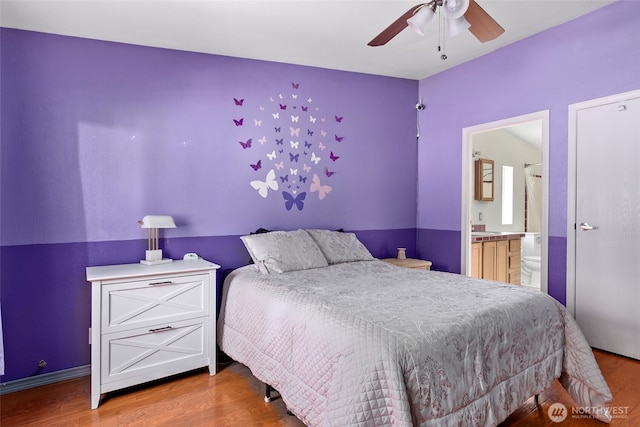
x=593, y=56
x=95, y=135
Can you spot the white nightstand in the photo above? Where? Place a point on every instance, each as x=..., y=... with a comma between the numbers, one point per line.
x=418, y=264
x=150, y=321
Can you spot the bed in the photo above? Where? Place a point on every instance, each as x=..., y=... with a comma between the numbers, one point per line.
x=349, y=340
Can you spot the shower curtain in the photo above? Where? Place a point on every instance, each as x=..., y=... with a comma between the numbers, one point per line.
x=533, y=187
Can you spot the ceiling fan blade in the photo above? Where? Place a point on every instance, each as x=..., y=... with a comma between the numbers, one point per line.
x=394, y=29
x=483, y=26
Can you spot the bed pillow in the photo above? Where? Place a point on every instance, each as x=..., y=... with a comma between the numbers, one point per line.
x=338, y=246
x=282, y=251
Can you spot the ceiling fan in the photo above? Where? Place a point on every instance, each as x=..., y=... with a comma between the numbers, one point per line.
x=460, y=14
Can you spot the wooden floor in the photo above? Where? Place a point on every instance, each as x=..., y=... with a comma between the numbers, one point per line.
x=234, y=397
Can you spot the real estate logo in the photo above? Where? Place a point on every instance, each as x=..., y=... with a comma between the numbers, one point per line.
x=557, y=412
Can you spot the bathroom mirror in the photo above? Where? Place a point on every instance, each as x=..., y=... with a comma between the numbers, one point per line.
x=484, y=180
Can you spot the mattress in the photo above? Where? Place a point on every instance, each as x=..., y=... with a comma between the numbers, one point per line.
x=371, y=344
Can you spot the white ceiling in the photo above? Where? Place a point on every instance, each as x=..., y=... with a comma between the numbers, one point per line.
x=328, y=34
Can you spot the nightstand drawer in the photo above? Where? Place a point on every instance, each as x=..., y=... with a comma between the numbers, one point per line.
x=145, y=354
x=140, y=303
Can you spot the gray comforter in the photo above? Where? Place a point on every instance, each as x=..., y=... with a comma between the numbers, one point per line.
x=371, y=344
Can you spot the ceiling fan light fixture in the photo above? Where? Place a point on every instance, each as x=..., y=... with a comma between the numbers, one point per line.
x=421, y=18
x=454, y=9
x=457, y=26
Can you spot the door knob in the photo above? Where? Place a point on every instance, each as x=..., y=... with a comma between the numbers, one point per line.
x=584, y=226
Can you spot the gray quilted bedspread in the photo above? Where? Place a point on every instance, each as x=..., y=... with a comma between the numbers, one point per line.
x=371, y=344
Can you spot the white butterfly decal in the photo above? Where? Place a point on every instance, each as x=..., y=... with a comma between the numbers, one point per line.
x=294, y=96
x=269, y=183
x=295, y=119
x=322, y=146
x=261, y=108
x=294, y=132
x=294, y=144
x=276, y=115
x=293, y=171
x=312, y=119
x=262, y=140
x=309, y=100
x=306, y=168
x=315, y=159
x=280, y=96
x=272, y=155
x=323, y=133
x=257, y=122
x=279, y=165
x=322, y=190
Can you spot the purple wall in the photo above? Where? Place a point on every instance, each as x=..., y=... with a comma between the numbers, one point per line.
x=593, y=56
x=95, y=135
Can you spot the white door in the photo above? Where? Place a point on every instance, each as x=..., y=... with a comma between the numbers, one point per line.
x=607, y=230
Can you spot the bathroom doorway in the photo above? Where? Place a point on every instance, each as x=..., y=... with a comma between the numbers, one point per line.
x=518, y=148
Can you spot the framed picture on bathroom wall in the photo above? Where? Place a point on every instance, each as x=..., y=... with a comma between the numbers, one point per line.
x=484, y=178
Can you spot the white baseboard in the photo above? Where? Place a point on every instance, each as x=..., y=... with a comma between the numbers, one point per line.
x=44, y=379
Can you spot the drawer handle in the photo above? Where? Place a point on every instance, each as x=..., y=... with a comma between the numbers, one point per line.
x=168, y=282
x=166, y=328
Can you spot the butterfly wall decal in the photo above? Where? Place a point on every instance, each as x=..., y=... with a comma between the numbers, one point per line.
x=263, y=186
x=239, y=122
x=328, y=173
x=339, y=138
x=294, y=144
x=238, y=102
x=303, y=179
x=304, y=108
x=293, y=172
x=333, y=156
x=271, y=155
x=294, y=132
x=312, y=119
x=283, y=106
x=284, y=178
x=306, y=168
x=276, y=115
x=257, y=166
x=309, y=132
x=297, y=201
x=294, y=158
x=322, y=146
x=315, y=159
x=279, y=141
x=277, y=129
x=279, y=165
x=294, y=119
x=245, y=145
x=262, y=140
x=322, y=190
x=295, y=85
x=257, y=122
x=307, y=144
x=338, y=119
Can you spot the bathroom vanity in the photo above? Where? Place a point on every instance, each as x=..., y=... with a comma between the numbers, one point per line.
x=496, y=256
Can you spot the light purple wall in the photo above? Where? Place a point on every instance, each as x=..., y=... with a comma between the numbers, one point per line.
x=593, y=56
x=95, y=135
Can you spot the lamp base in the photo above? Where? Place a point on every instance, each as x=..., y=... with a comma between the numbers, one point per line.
x=153, y=257
x=156, y=261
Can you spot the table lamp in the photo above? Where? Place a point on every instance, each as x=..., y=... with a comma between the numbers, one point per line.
x=153, y=254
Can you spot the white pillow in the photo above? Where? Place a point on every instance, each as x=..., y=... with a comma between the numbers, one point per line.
x=340, y=247
x=282, y=251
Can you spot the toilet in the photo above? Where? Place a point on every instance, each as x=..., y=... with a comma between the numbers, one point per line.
x=531, y=253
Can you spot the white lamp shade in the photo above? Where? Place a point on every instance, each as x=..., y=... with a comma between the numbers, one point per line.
x=157, y=221
x=454, y=9
x=457, y=26
x=420, y=20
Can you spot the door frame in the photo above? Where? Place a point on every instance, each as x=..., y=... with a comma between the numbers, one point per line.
x=467, y=188
x=572, y=165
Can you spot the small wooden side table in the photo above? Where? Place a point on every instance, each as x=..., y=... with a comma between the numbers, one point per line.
x=418, y=264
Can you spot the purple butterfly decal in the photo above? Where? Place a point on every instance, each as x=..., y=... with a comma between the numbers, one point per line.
x=257, y=165
x=309, y=132
x=277, y=129
x=239, y=122
x=281, y=151
x=279, y=141
x=295, y=85
x=284, y=178
x=333, y=156
x=339, y=119
x=290, y=200
x=303, y=179
x=238, y=101
x=339, y=138
x=304, y=108
x=283, y=106
x=245, y=145
x=328, y=172
x=293, y=158
x=307, y=144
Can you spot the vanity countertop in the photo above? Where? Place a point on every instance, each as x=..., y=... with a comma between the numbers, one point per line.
x=486, y=236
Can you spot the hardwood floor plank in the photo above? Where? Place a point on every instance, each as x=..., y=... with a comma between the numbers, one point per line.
x=234, y=398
